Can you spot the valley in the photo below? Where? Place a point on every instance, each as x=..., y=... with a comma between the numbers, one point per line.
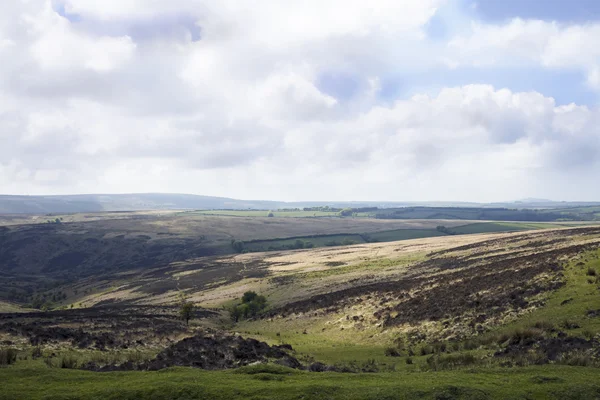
x=474, y=309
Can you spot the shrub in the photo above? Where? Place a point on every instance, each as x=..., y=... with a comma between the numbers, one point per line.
x=569, y=324
x=577, y=358
x=526, y=335
x=36, y=352
x=591, y=272
x=68, y=361
x=370, y=366
x=545, y=326
x=186, y=311
x=588, y=334
x=392, y=352
x=251, y=305
x=532, y=357
x=439, y=347
x=409, y=360
x=8, y=356
x=426, y=349
x=471, y=345
x=449, y=361
x=238, y=246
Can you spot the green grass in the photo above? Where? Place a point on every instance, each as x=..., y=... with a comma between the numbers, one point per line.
x=33, y=380
x=569, y=303
x=397, y=234
x=490, y=227
x=572, y=301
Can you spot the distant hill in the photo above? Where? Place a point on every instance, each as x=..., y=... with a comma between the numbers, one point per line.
x=122, y=202
x=16, y=204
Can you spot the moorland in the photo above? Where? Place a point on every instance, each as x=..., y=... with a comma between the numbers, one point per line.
x=354, y=307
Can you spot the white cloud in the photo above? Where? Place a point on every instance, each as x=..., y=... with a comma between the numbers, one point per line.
x=519, y=42
x=55, y=44
x=241, y=112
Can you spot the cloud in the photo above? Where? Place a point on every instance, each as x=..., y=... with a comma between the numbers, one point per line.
x=121, y=96
x=519, y=42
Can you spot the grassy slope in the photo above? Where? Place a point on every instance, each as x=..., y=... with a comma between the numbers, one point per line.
x=33, y=380
x=569, y=303
x=6, y=307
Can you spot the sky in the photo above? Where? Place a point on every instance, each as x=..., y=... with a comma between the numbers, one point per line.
x=395, y=100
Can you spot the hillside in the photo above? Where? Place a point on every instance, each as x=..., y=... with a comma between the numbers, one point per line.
x=501, y=315
x=39, y=259
x=120, y=202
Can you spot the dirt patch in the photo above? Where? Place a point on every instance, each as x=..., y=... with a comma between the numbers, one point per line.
x=551, y=349
x=99, y=328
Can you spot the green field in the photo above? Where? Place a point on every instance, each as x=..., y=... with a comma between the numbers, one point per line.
x=33, y=380
x=490, y=227
x=394, y=235
x=265, y=213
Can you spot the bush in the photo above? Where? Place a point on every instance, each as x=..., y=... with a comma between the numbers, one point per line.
x=186, y=311
x=440, y=362
x=569, y=324
x=68, y=361
x=546, y=326
x=251, y=305
x=526, y=335
x=392, y=352
x=409, y=360
x=8, y=356
x=588, y=334
x=36, y=352
x=426, y=349
x=238, y=246
x=471, y=345
x=591, y=272
x=531, y=357
x=577, y=359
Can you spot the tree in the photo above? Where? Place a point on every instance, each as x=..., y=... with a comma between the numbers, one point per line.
x=236, y=313
x=346, y=212
x=252, y=304
x=237, y=245
x=270, y=214
x=186, y=311
x=249, y=296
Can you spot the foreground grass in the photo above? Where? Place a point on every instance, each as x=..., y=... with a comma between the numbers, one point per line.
x=33, y=380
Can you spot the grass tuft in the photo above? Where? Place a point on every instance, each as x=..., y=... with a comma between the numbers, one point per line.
x=8, y=356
